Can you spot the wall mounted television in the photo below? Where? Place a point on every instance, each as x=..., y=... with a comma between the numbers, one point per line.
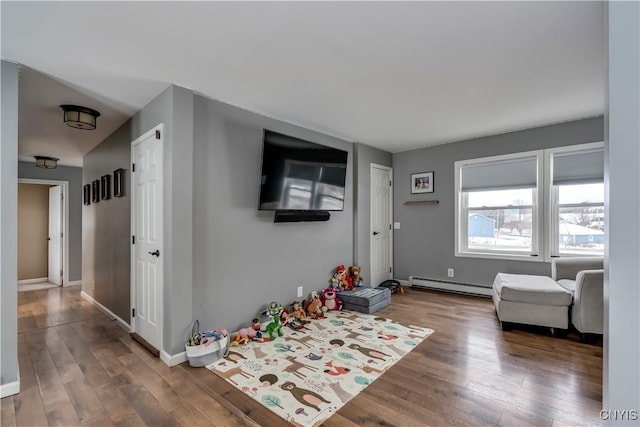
x=299, y=175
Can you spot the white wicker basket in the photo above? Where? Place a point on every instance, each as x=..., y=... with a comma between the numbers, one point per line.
x=207, y=353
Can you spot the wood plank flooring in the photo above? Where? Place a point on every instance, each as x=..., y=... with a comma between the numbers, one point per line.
x=79, y=368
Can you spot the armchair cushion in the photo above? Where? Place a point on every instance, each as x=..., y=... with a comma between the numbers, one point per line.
x=568, y=284
x=568, y=268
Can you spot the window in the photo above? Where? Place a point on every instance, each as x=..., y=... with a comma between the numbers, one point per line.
x=508, y=207
x=577, y=201
x=498, y=206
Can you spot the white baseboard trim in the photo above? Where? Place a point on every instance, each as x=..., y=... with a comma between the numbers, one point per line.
x=124, y=325
x=10, y=389
x=173, y=360
x=74, y=283
x=29, y=281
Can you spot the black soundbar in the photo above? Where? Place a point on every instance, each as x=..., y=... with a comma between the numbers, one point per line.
x=301, y=216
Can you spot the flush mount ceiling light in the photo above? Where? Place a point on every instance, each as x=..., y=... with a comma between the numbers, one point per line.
x=80, y=117
x=46, y=162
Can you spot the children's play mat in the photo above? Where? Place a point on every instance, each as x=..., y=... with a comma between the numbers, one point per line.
x=305, y=376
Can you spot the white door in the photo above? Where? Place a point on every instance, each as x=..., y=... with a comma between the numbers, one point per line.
x=381, y=227
x=147, y=249
x=55, y=235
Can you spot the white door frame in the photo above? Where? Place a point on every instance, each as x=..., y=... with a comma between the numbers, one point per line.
x=390, y=170
x=65, y=220
x=132, y=279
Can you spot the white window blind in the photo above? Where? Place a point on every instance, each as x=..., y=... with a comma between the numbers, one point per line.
x=582, y=167
x=500, y=175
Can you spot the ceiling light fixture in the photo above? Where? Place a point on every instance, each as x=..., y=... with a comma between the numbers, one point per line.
x=80, y=117
x=46, y=162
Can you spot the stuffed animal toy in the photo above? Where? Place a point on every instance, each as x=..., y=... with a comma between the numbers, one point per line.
x=341, y=279
x=273, y=311
x=330, y=300
x=244, y=335
x=313, y=306
x=285, y=317
x=256, y=327
x=356, y=278
x=298, y=312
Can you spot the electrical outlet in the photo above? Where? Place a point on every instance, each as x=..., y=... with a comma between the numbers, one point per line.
x=450, y=272
x=299, y=291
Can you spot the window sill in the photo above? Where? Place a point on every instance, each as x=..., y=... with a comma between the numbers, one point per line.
x=501, y=256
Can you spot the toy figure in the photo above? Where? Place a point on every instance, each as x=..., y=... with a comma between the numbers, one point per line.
x=284, y=317
x=298, y=312
x=341, y=280
x=313, y=306
x=330, y=300
x=243, y=336
x=205, y=337
x=356, y=278
x=273, y=310
x=255, y=325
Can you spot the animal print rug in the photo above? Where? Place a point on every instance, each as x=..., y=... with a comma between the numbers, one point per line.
x=307, y=375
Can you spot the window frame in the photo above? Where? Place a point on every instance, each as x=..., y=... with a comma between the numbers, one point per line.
x=553, y=205
x=461, y=207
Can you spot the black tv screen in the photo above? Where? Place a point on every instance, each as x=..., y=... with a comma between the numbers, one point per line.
x=300, y=175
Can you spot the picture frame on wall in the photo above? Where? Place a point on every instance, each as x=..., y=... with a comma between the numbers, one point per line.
x=118, y=182
x=422, y=182
x=105, y=187
x=95, y=191
x=86, y=194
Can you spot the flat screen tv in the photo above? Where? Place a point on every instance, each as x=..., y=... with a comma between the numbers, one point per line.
x=300, y=175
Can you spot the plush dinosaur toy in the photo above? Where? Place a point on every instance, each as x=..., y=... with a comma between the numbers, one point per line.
x=273, y=310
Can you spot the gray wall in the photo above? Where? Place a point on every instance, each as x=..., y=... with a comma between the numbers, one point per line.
x=74, y=177
x=242, y=260
x=9, y=224
x=106, y=226
x=622, y=269
x=364, y=157
x=106, y=230
x=424, y=245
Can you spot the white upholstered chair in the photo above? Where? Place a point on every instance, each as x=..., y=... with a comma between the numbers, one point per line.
x=583, y=277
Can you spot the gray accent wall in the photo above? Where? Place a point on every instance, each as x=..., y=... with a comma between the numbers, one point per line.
x=9, y=224
x=424, y=245
x=622, y=270
x=106, y=225
x=365, y=156
x=74, y=177
x=242, y=260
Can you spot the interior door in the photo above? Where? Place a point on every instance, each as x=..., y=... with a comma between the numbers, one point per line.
x=55, y=235
x=147, y=250
x=381, y=237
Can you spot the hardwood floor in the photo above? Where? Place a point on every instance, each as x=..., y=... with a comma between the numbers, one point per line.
x=77, y=367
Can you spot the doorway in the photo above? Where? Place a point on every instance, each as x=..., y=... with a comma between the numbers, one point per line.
x=147, y=254
x=43, y=229
x=381, y=229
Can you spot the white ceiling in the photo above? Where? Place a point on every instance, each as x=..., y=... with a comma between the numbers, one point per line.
x=394, y=75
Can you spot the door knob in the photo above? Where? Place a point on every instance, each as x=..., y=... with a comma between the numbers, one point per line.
x=156, y=253
x=375, y=233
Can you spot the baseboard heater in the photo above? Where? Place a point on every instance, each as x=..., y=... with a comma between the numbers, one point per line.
x=449, y=286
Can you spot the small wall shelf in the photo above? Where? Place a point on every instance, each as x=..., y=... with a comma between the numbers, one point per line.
x=423, y=202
